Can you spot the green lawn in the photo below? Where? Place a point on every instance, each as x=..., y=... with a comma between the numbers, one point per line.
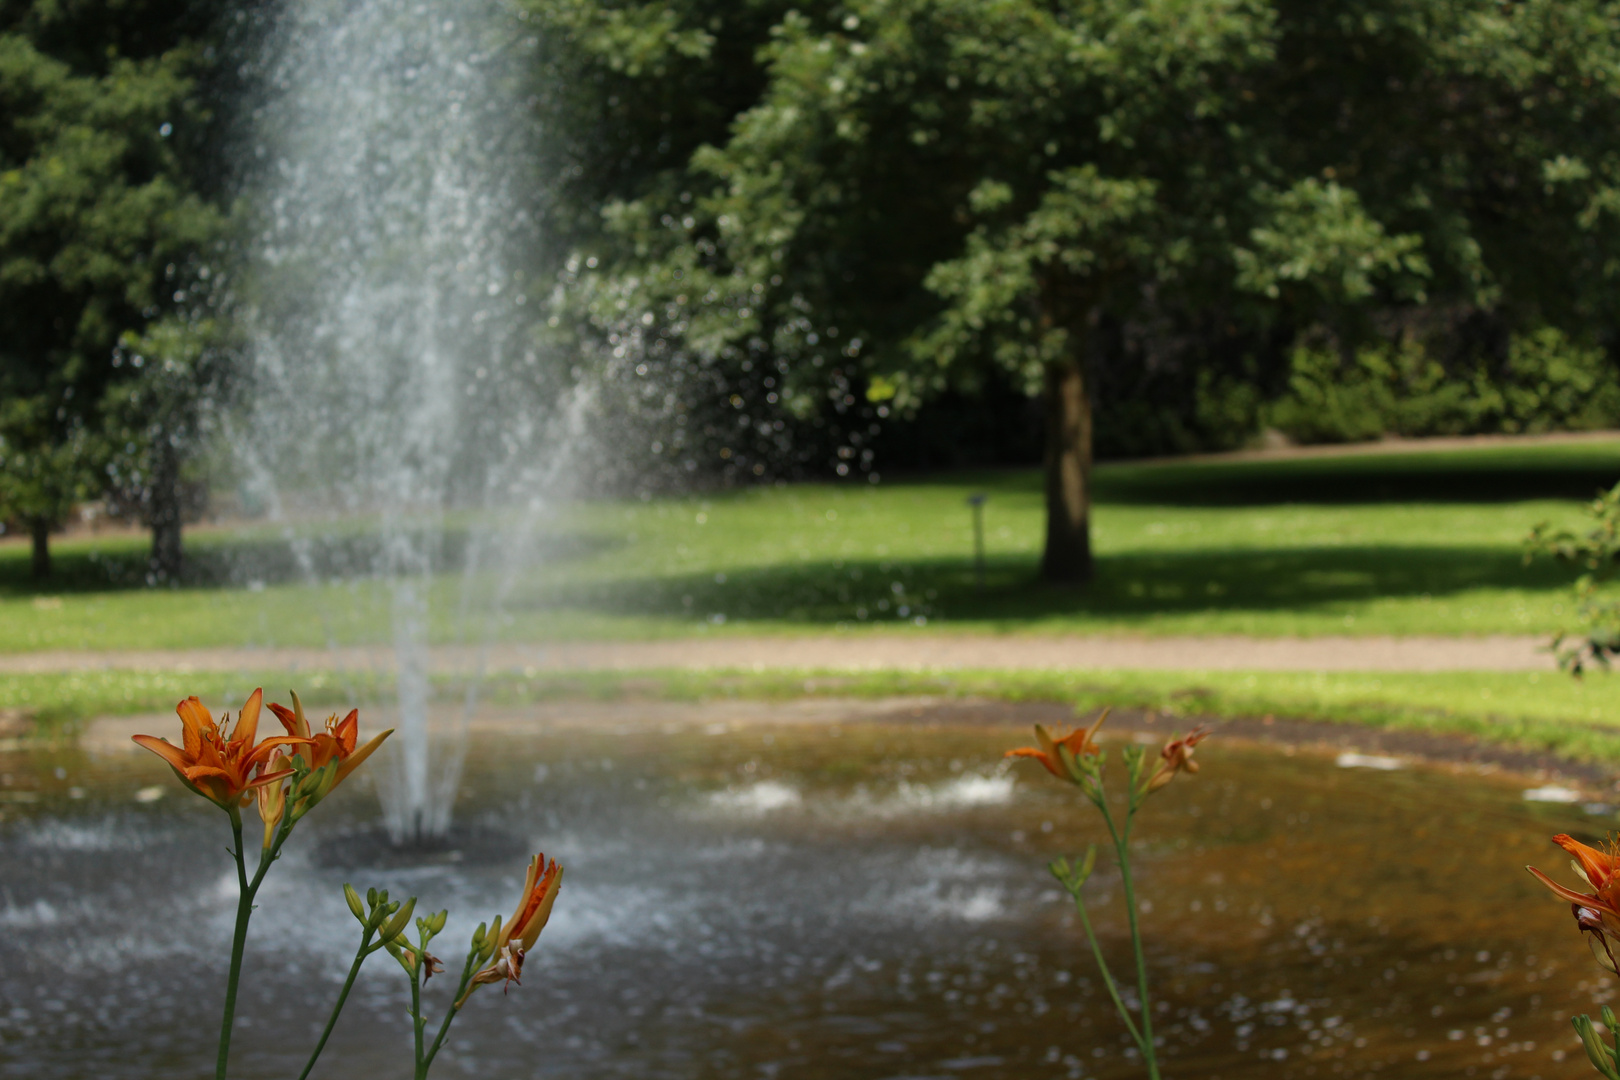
x=1409, y=544
x=1533, y=710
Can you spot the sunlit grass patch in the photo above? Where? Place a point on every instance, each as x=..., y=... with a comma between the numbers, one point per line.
x=1531, y=710
x=1393, y=544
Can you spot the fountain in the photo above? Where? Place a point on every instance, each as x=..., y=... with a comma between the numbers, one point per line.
x=402, y=426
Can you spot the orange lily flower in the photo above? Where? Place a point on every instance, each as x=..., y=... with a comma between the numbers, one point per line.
x=1081, y=743
x=1176, y=756
x=517, y=937
x=338, y=741
x=1596, y=913
x=218, y=765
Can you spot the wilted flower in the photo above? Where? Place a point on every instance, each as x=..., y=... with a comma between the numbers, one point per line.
x=430, y=964
x=1056, y=755
x=1176, y=756
x=508, y=965
x=221, y=766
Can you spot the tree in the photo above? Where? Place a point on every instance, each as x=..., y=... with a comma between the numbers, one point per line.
x=928, y=189
x=44, y=472
x=159, y=423
x=99, y=228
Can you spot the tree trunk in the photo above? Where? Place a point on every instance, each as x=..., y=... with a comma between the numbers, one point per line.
x=42, y=548
x=166, y=513
x=1067, y=559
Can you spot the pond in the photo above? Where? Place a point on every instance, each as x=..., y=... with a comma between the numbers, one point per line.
x=784, y=899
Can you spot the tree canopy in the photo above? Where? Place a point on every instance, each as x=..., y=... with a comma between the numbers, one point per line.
x=927, y=191
x=779, y=227
x=100, y=229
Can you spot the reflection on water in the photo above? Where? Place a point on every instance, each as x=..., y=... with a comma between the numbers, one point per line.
x=816, y=902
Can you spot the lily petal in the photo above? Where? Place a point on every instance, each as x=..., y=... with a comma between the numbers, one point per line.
x=194, y=720
x=290, y=720
x=164, y=749
x=352, y=762
x=1597, y=866
x=347, y=733
x=267, y=778
x=541, y=914
x=1030, y=752
x=247, y=721
x=1580, y=899
x=266, y=748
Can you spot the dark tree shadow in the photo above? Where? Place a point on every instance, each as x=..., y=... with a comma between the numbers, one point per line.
x=220, y=561
x=1128, y=586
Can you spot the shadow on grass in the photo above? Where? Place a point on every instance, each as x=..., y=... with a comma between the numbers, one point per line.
x=1486, y=475
x=245, y=561
x=1127, y=586
x=1433, y=478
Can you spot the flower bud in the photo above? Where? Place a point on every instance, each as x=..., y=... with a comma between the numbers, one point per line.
x=491, y=941
x=396, y=926
x=1599, y=1054
x=353, y=899
x=382, y=912
x=371, y=897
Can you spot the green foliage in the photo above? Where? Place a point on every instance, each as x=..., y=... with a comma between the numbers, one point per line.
x=1551, y=383
x=1545, y=383
x=887, y=202
x=1596, y=552
x=1321, y=237
x=41, y=477
x=100, y=228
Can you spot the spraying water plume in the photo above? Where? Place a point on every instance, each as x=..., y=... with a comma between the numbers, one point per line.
x=402, y=423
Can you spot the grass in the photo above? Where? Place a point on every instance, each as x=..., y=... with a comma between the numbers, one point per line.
x=1418, y=543
x=1531, y=710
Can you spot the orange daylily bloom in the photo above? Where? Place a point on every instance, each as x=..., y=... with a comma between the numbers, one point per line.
x=1596, y=913
x=1081, y=743
x=1176, y=756
x=514, y=940
x=534, y=909
x=338, y=742
x=218, y=765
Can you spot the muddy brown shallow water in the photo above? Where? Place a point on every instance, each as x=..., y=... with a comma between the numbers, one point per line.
x=802, y=898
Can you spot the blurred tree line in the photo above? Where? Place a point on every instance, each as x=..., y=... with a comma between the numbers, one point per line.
x=109, y=231
x=813, y=237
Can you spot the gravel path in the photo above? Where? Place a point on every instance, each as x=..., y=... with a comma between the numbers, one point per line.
x=867, y=652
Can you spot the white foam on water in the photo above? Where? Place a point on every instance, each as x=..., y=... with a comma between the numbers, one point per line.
x=56, y=835
x=1552, y=793
x=35, y=916
x=1368, y=761
x=974, y=789
x=940, y=885
x=760, y=798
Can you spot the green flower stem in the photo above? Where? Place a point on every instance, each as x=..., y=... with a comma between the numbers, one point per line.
x=244, y=911
x=1102, y=965
x=416, y=1011
x=343, y=996
x=1122, y=842
x=450, y=1013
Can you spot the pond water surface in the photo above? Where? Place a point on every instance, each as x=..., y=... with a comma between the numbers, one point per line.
x=811, y=901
